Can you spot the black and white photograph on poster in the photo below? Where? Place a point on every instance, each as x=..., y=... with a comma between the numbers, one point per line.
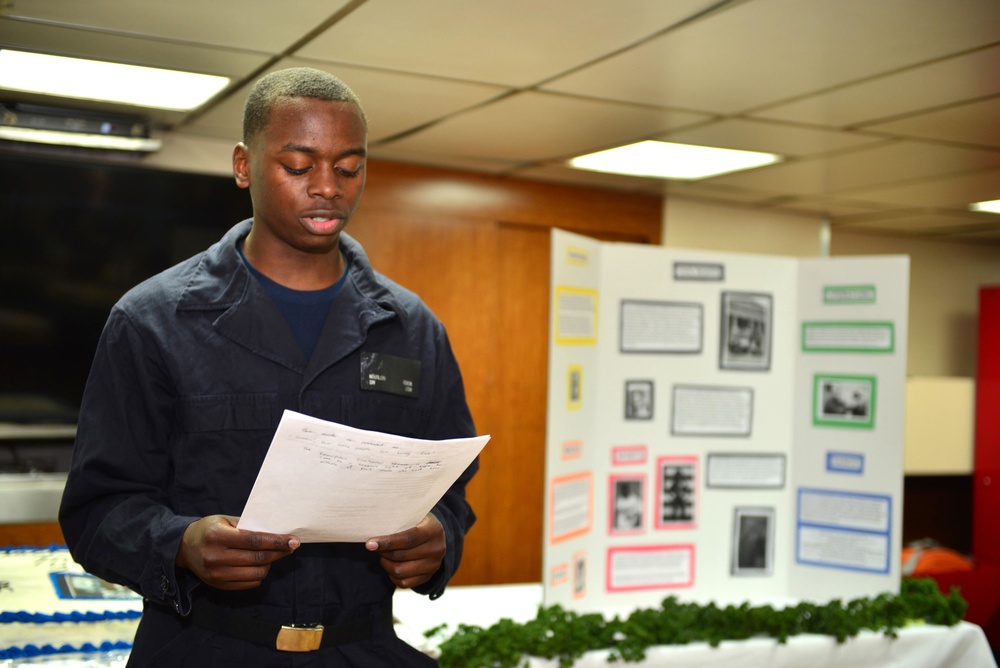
x=746, y=331
x=660, y=327
x=844, y=401
x=579, y=574
x=628, y=502
x=753, y=541
x=678, y=499
x=638, y=400
x=574, y=387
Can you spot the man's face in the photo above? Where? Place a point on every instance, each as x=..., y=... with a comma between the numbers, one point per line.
x=305, y=172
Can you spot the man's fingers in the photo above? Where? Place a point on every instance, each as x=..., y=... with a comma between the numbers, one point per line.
x=273, y=545
x=405, y=540
x=426, y=530
x=265, y=543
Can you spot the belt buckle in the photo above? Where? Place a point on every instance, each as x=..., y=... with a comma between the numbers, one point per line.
x=299, y=638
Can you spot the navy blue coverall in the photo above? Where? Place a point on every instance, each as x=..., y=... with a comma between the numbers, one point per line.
x=192, y=373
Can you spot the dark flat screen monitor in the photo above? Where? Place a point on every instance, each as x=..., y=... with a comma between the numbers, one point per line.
x=76, y=236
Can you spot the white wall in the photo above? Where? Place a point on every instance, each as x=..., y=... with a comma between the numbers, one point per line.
x=689, y=223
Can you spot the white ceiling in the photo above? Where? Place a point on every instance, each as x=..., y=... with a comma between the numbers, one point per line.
x=887, y=111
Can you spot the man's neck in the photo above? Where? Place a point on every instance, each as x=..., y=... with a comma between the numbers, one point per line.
x=296, y=269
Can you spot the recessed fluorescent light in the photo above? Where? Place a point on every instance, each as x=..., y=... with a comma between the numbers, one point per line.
x=110, y=82
x=666, y=160
x=58, y=138
x=992, y=206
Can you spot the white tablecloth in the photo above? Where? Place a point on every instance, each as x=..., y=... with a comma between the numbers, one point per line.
x=960, y=646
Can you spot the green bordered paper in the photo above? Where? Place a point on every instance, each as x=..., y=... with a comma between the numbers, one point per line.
x=848, y=294
x=848, y=337
x=844, y=401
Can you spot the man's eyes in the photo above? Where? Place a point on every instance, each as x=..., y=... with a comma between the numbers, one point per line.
x=343, y=171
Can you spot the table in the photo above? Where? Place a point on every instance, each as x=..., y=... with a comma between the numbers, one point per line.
x=919, y=646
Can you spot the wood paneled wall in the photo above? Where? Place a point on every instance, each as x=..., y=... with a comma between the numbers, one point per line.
x=476, y=249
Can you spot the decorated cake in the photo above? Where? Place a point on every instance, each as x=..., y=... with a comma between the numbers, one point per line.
x=50, y=607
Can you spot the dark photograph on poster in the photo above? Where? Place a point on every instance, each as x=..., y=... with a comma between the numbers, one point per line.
x=753, y=541
x=745, y=341
x=678, y=503
x=638, y=400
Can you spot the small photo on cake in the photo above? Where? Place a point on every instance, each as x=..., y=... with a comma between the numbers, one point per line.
x=84, y=586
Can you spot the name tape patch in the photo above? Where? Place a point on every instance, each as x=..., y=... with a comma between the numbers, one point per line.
x=388, y=373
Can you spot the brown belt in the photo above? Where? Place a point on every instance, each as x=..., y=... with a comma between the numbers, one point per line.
x=286, y=637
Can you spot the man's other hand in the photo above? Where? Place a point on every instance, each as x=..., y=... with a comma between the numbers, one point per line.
x=411, y=557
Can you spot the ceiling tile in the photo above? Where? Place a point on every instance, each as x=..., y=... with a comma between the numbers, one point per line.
x=765, y=51
x=127, y=49
x=987, y=234
x=394, y=102
x=888, y=105
x=917, y=221
x=124, y=49
x=952, y=190
x=834, y=207
x=783, y=139
x=718, y=192
x=857, y=172
x=515, y=43
x=268, y=27
x=535, y=126
x=973, y=123
x=945, y=82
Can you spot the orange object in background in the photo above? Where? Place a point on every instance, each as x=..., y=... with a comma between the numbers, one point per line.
x=927, y=558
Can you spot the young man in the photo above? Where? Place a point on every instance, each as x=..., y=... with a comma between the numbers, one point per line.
x=191, y=376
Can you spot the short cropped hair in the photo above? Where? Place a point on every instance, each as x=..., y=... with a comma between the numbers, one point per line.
x=292, y=82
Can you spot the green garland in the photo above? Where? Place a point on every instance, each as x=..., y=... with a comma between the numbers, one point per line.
x=556, y=633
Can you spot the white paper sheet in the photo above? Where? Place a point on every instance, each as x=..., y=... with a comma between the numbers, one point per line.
x=326, y=482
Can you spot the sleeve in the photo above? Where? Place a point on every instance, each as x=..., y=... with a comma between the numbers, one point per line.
x=450, y=418
x=115, y=513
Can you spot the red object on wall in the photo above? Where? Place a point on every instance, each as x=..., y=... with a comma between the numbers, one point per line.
x=981, y=587
x=986, y=474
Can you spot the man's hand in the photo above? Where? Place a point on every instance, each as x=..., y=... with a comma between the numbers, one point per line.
x=225, y=557
x=411, y=557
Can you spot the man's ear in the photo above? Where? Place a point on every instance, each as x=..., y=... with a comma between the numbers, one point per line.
x=241, y=165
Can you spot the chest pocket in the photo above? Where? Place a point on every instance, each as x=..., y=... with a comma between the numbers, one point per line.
x=385, y=413
x=227, y=412
x=221, y=441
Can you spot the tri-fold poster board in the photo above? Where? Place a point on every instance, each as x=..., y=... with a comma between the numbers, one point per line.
x=722, y=427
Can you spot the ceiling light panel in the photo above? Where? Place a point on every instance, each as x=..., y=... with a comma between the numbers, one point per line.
x=110, y=82
x=667, y=160
x=993, y=206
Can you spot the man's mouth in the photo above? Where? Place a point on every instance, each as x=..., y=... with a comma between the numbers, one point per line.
x=322, y=224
